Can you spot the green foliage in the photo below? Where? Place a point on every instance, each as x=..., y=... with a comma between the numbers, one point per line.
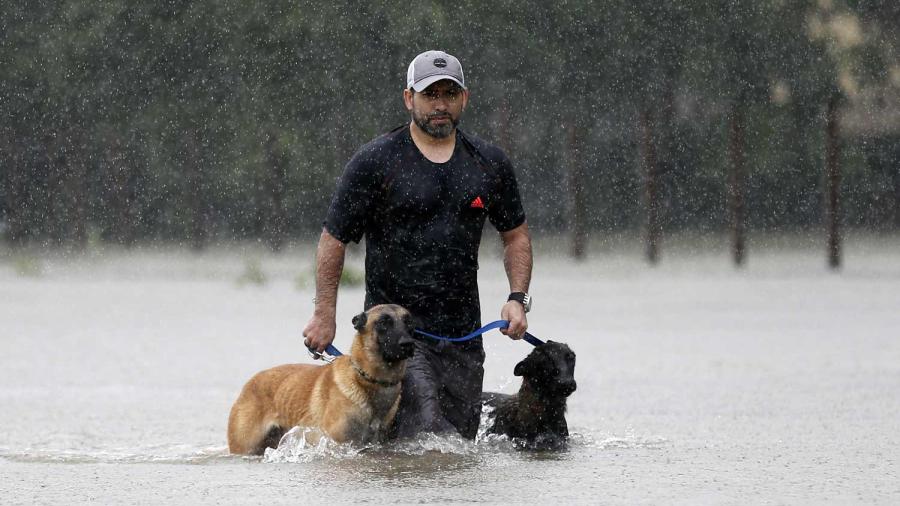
x=152, y=121
x=352, y=276
x=27, y=266
x=252, y=274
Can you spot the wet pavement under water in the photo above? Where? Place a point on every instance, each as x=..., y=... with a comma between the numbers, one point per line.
x=697, y=383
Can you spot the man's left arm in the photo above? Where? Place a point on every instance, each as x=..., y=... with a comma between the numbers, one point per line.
x=517, y=259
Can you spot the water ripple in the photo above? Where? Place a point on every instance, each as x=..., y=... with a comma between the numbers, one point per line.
x=303, y=445
x=160, y=454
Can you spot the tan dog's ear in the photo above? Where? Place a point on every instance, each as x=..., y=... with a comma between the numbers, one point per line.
x=359, y=321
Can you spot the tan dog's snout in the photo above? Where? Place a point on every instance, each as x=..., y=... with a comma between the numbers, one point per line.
x=393, y=329
x=396, y=346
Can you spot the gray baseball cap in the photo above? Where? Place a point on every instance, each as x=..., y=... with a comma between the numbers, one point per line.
x=432, y=66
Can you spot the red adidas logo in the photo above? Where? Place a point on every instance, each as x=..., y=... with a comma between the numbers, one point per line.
x=477, y=203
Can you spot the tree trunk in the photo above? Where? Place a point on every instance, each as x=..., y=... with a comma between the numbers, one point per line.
x=833, y=183
x=74, y=170
x=577, y=211
x=736, y=181
x=15, y=177
x=896, y=179
x=651, y=187
x=76, y=212
x=195, y=194
x=53, y=199
x=275, y=188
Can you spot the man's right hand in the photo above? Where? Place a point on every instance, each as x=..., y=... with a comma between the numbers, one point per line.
x=319, y=332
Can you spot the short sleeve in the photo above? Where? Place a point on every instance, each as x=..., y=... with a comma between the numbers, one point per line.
x=506, y=211
x=354, y=198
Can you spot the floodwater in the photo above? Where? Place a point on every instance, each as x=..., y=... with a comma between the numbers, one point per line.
x=697, y=383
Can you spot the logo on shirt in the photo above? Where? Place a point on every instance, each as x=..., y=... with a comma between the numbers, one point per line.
x=477, y=203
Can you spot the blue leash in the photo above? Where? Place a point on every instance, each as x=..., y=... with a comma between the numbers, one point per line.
x=331, y=350
x=499, y=324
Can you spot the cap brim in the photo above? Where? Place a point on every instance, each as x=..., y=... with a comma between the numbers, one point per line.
x=428, y=81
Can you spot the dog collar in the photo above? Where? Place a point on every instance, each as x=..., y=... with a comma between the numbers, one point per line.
x=370, y=379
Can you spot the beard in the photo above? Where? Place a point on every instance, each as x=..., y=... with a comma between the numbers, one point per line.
x=438, y=131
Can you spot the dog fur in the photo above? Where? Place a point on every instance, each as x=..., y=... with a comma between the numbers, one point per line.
x=354, y=399
x=536, y=414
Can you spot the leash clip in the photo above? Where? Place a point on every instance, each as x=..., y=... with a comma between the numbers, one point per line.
x=321, y=356
x=331, y=353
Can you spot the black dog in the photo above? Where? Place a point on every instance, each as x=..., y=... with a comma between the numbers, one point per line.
x=537, y=413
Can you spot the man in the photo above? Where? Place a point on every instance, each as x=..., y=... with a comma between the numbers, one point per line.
x=420, y=195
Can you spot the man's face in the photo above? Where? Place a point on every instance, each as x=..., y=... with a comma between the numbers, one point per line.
x=437, y=108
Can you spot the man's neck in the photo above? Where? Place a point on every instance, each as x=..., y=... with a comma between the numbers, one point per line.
x=438, y=150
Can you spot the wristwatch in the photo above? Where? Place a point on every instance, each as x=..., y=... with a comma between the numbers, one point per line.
x=522, y=298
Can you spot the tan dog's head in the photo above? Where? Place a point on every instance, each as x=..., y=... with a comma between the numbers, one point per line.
x=386, y=331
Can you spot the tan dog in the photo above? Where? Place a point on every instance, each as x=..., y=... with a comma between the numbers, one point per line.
x=353, y=399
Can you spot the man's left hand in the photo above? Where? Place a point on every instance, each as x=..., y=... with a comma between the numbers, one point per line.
x=514, y=313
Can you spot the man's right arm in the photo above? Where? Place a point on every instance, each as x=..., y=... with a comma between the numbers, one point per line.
x=320, y=330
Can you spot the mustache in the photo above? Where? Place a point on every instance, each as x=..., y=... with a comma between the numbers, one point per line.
x=436, y=115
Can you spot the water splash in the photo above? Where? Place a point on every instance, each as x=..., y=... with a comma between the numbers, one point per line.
x=428, y=442
x=307, y=445
x=304, y=444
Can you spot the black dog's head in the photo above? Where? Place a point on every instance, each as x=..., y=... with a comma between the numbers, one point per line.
x=388, y=329
x=550, y=369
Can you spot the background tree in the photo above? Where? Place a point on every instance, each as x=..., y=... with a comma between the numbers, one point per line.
x=194, y=122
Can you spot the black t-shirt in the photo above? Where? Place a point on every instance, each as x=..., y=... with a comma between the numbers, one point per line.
x=423, y=221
